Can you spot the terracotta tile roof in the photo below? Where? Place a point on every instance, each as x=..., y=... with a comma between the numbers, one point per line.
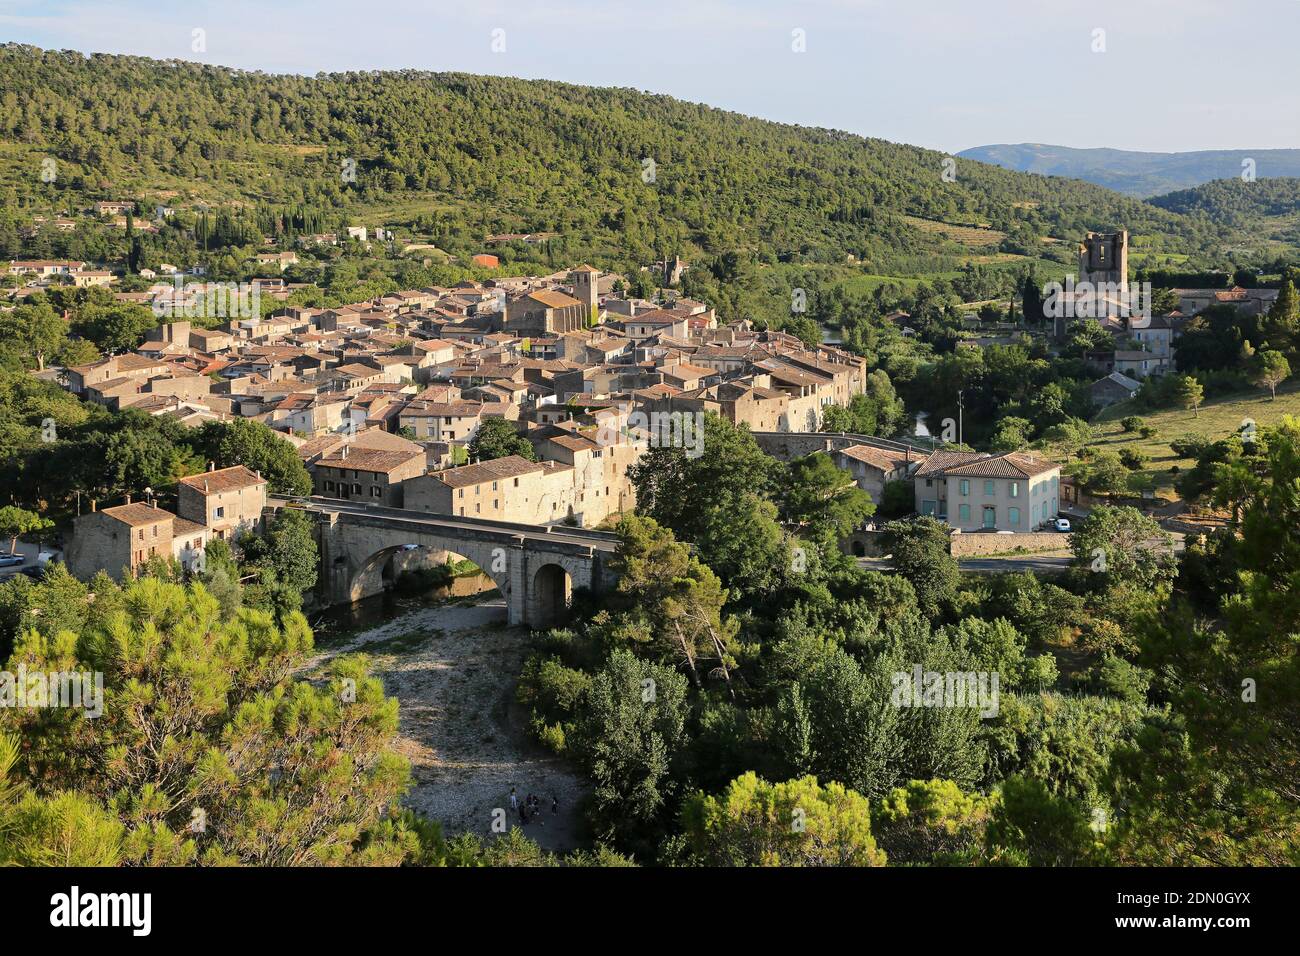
x=138, y=514
x=1011, y=464
x=233, y=478
x=940, y=461
x=886, y=459
x=552, y=299
x=370, y=459
x=508, y=467
x=183, y=528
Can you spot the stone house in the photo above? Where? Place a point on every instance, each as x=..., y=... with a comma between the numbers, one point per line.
x=369, y=475
x=228, y=501
x=976, y=491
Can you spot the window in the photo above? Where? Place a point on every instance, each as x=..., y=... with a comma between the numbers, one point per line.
x=927, y=507
x=494, y=486
x=963, y=514
x=141, y=534
x=155, y=531
x=929, y=483
x=988, y=489
x=356, y=489
x=1015, y=489
x=1013, y=515
x=460, y=494
x=329, y=486
x=965, y=486
x=376, y=491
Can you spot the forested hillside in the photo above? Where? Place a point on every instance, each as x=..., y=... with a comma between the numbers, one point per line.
x=1236, y=202
x=463, y=156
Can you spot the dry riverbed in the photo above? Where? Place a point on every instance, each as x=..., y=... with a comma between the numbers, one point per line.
x=453, y=669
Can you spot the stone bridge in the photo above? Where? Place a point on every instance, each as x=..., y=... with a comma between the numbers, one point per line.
x=535, y=567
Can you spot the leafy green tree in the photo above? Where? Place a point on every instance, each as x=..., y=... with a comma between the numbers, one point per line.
x=114, y=327
x=1105, y=473
x=1030, y=826
x=1212, y=782
x=1271, y=369
x=209, y=749
x=795, y=823
x=242, y=441
x=34, y=333
x=897, y=500
x=497, y=438
x=1187, y=392
x=287, y=552
x=1125, y=545
x=670, y=484
x=854, y=738
x=824, y=501
x=931, y=822
x=919, y=550
x=17, y=521
x=744, y=544
x=678, y=599
x=1012, y=434
x=627, y=732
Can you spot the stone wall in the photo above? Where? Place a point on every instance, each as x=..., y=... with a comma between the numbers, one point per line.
x=787, y=446
x=965, y=545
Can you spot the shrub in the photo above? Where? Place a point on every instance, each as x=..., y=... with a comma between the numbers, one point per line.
x=1131, y=423
x=1134, y=458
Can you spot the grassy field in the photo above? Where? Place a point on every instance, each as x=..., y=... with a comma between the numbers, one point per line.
x=1216, y=419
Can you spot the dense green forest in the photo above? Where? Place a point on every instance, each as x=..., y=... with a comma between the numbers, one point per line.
x=455, y=157
x=1259, y=209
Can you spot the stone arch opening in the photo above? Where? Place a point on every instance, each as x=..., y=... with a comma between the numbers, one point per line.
x=859, y=549
x=549, y=597
x=381, y=571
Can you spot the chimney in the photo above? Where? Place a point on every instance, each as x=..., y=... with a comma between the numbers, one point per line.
x=93, y=505
x=212, y=466
x=128, y=498
x=205, y=486
x=345, y=451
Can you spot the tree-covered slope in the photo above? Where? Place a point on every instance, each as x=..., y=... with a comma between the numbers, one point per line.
x=473, y=155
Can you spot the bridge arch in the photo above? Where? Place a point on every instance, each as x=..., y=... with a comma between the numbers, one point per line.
x=536, y=569
x=550, y=595
x=379, y=572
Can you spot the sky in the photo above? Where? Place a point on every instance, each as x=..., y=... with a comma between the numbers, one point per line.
x=1161, y=75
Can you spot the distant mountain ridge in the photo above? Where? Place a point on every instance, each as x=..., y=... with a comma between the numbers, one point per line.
x=1137, y=173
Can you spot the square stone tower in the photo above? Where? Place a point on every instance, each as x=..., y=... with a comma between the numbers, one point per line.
x=1103, y=257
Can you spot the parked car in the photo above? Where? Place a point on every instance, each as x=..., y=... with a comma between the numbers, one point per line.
x=8, y=560
x=1061, y=524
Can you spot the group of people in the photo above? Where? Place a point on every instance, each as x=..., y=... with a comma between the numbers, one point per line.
x=531, y=807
